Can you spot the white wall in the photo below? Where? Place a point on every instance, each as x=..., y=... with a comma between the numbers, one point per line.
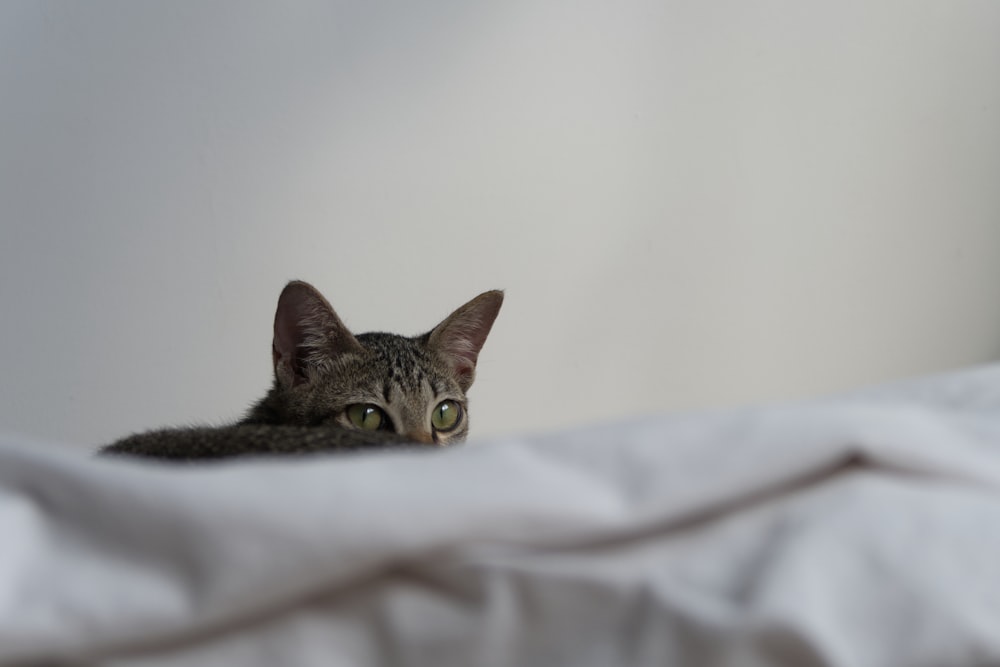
x=689, y=204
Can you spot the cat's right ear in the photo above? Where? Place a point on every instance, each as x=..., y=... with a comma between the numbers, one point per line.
x=460, y=337
x=307, y=334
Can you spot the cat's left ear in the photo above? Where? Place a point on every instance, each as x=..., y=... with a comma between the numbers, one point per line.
x=307, y=334
x=460, y=337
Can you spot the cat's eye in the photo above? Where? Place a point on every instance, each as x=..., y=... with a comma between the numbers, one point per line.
x=367, y=416
x=446, y=415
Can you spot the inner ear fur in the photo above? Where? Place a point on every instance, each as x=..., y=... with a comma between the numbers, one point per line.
x=307, y=332
x=459, y=338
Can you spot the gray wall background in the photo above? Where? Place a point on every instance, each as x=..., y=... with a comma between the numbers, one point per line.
x=689, y=204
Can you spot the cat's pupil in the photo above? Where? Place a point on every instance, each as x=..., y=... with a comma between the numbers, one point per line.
x=367, y=416
x=445, y=415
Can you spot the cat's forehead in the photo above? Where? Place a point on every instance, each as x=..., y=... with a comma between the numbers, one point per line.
x=398, y=350
x=402, y=361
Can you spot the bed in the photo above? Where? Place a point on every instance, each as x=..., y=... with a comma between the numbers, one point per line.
x=857, y=530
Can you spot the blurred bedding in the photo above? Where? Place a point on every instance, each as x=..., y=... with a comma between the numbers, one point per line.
x=860, y=530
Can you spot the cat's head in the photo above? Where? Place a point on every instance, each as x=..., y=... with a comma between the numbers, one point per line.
x=416, y=386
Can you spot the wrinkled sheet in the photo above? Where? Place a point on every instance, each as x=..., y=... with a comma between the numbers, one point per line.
x=860, y=530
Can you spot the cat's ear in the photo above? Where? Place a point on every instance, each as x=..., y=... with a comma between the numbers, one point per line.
x=458, y=339
x=307, y=332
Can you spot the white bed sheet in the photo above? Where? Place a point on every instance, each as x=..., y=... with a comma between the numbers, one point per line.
x=857, y=531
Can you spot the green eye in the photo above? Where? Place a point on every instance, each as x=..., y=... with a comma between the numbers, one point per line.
x=446, y=415
x=367, y=416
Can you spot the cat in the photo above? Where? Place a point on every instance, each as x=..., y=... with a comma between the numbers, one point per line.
x=336, y=391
